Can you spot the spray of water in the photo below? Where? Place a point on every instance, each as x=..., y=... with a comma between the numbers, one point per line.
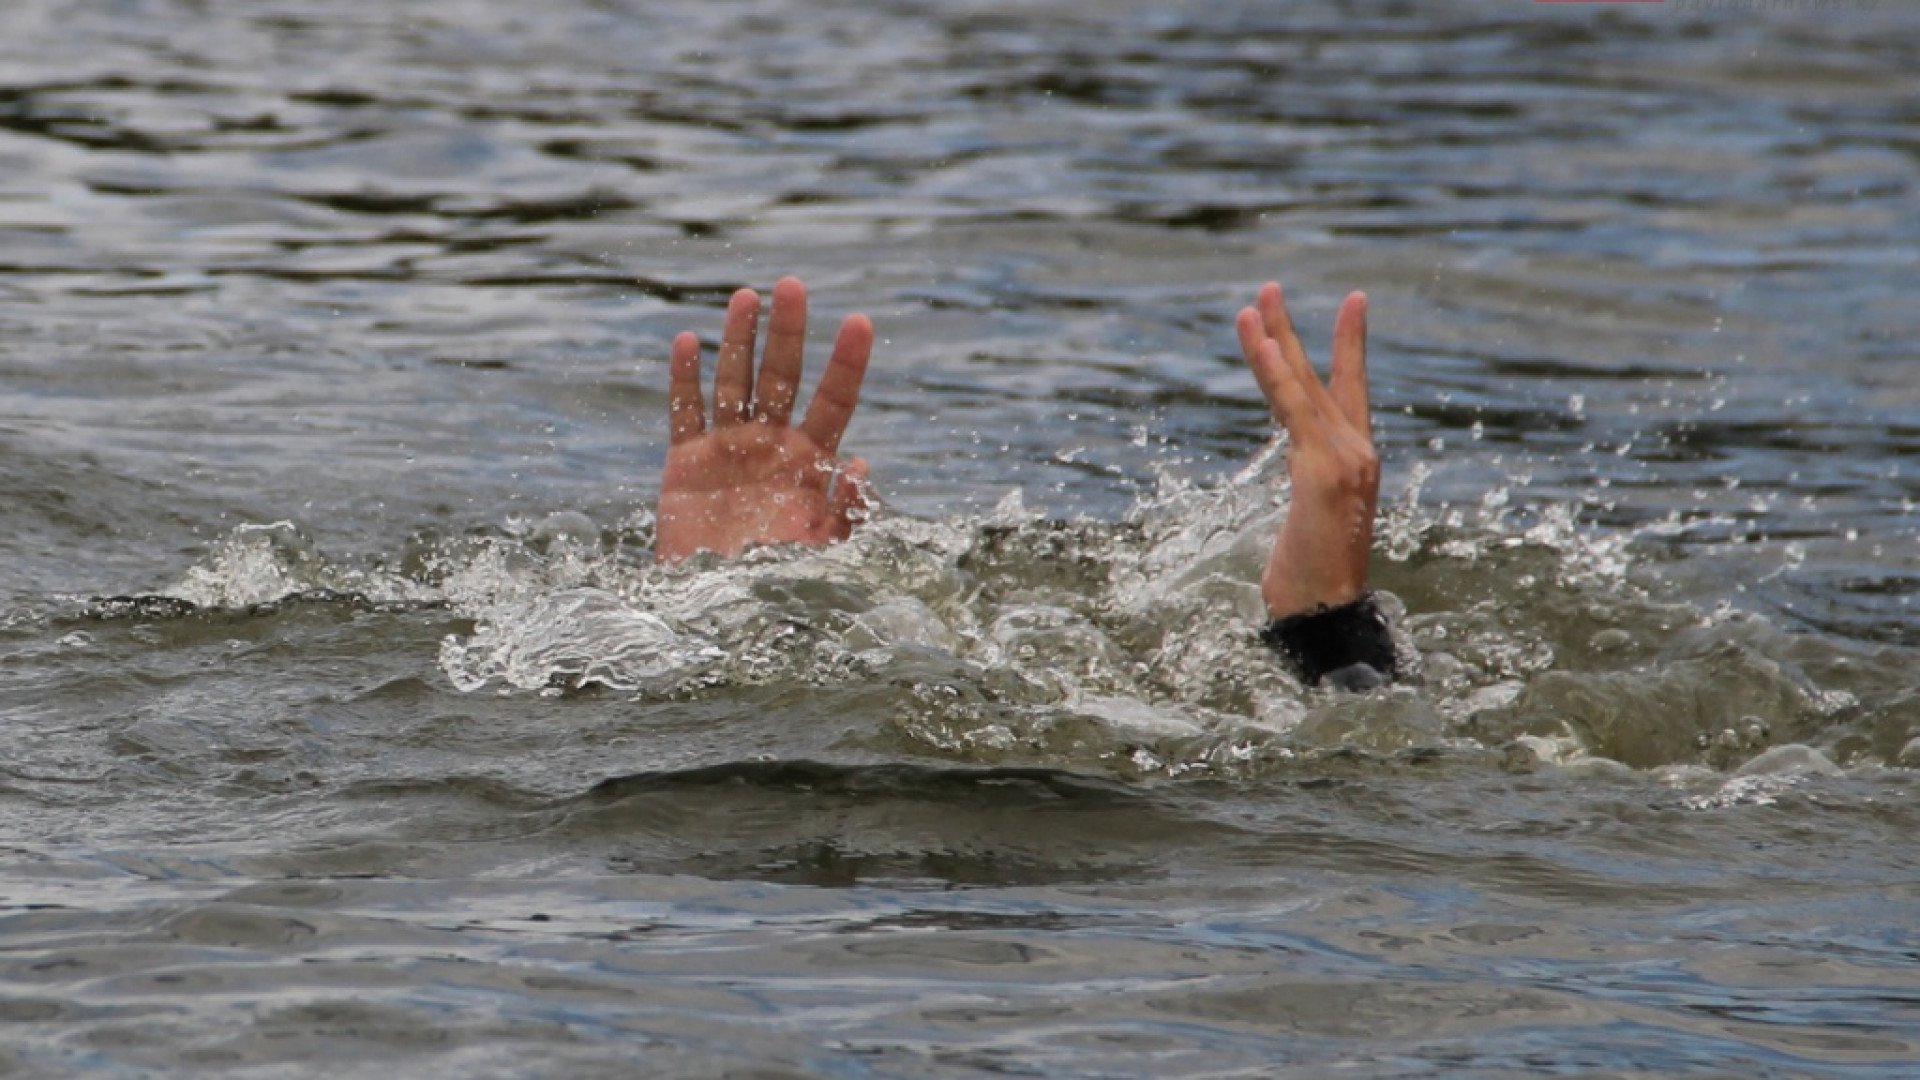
x=1128, y=646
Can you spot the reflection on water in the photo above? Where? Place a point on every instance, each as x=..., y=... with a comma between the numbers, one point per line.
x=332, y=340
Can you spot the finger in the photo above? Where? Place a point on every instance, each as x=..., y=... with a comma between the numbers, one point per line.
x=686, y=412
x=1253, y=343
x=1279, y=326
x=779, y=381
x=733, y=376
x=1248, y=328
x=848, y=504
x=1272, y=303
x=1349, y=382
x=839, y=391
x=1294, y=404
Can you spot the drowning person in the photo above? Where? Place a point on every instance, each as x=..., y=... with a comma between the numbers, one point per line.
x=752, y=476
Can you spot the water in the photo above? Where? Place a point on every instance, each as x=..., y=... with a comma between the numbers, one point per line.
x=336, y=331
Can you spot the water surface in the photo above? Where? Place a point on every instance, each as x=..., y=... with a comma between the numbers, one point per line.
x=334, y=332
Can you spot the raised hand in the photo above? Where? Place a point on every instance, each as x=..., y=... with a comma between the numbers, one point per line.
x=1320, y=555
x=753, y=478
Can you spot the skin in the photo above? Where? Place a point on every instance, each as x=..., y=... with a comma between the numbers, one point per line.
x=1320, y=556
x=752, y=477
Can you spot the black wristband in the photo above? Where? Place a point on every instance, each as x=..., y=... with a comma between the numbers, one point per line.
x=1329, y=639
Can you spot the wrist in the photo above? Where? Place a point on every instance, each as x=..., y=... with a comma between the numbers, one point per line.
x=1288, y=592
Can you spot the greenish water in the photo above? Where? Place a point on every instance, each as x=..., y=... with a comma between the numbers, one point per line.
x=335, y=332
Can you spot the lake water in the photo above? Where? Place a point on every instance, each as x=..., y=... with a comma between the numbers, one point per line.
x=332, y=343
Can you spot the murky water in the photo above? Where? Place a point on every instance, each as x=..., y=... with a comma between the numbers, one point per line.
x=336, y=332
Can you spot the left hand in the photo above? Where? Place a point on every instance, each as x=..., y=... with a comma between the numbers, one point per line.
x=1320, y=557
x=753, y=478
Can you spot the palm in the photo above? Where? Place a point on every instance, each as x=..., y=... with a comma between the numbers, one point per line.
x=753, y=478
x=749, y=484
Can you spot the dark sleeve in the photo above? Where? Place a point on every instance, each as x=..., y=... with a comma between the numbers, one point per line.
x=1349, y=646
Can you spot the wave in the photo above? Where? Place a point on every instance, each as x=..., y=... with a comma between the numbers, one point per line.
x=1124, y=647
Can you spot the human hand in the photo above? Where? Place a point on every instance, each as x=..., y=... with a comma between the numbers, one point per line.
x=752, y=478
x=1320, y=555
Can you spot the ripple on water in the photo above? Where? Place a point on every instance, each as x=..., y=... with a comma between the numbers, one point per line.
x=1121, y=648
x=429, y=770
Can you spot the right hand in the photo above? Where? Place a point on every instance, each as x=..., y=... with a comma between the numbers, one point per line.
x=754, y=478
